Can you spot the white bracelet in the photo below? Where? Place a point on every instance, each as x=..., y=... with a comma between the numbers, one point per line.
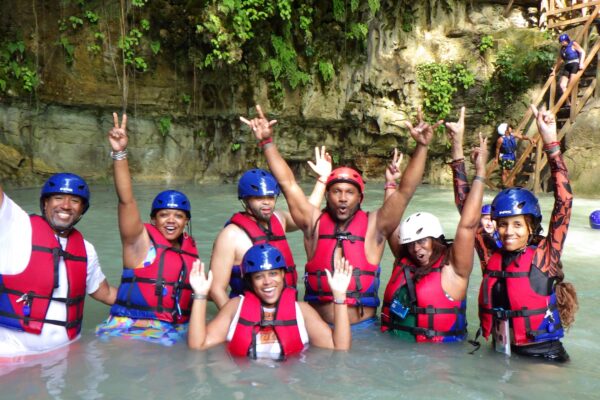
x=339, y=301
x=118, y=155
x=198, y=296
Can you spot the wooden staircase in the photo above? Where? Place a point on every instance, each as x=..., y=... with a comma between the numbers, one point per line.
x=529, y=167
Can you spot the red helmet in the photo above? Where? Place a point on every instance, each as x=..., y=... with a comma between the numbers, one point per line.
x=345, y=174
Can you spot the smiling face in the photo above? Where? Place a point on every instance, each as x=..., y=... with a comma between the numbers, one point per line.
x=420, y=251
x=487, y=224
x=268, y=285
x=261, y=207
x=343, y=199
x=62, y=211
x=514, y=232
x=170, y=223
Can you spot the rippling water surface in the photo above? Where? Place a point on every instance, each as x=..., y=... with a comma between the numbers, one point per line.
x=377, y=366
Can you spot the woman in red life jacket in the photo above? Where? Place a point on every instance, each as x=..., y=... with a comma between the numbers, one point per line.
x=154, y=298
x=425, y=298
x=522, y=291
x=267, y=321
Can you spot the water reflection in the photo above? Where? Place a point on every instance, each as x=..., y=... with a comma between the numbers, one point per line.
x=378, y=366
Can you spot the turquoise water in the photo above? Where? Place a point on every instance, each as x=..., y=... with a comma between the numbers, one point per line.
x=377, y=366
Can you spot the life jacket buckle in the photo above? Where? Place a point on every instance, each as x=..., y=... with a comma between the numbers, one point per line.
x=499, y=313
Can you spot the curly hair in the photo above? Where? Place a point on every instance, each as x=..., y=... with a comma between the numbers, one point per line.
x=566, y=295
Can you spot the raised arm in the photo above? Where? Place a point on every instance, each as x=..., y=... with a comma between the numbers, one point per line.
x=200, y=336
x=389, y=215
x=393, y=173
x=549, y=250
x=319, y=333
x=134, y=237
x=464, y=240
x=455, y=132
x=304, y=214
x=322, y=167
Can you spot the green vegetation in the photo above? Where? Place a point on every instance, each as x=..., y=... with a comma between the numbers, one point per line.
x=16, y=69
x=514, y=73
x=439, y=83
x=486, y=42
x=164, y=126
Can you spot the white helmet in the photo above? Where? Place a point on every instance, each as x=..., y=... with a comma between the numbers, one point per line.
x=418, y=226
x=502, y=128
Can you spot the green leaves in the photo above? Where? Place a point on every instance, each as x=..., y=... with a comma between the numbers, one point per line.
x=326, y=70
x=485, y=43
x=164, y=126
x=439, y=83
x=16, y=68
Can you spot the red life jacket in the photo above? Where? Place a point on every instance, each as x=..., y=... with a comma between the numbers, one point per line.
x=362, y=290
x=25, y=297
x=438, y=319
x=161, y=290
x=275, y=236
x=250, y=322
x=533, y=317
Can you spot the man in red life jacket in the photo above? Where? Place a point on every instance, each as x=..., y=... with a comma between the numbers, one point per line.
x=46, y=269
x=343, y=229
x=258, y=223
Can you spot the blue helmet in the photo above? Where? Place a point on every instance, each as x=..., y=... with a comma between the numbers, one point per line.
x=595, y=219
x=486, y=209
x=262, y=257
x=564, y=37
x=257, y=182
x=516, y=201
x=66, y=183
x=171, y=199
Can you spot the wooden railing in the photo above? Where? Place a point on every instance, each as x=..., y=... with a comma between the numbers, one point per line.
x=559, y=14
x=547, y=96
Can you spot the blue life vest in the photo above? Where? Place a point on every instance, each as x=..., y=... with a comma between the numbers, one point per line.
x=568, y=53
x=509, y=147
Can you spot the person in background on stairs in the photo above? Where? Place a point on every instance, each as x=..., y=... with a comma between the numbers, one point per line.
x=573, y=57
x=524, y=302
x=506, y=151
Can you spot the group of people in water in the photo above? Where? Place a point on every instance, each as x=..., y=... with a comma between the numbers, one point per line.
x=46, y=267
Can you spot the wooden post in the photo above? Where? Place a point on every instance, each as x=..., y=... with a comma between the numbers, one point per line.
x=507, y=9
x=597, y=90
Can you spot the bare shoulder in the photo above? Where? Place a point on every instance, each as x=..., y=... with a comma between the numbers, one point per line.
x=231, y=232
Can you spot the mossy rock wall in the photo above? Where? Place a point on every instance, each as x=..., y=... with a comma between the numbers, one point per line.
x=359, y=116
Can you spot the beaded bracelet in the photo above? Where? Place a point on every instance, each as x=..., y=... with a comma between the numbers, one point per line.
x=390, y=185
x=262, y=143
x=118, y=155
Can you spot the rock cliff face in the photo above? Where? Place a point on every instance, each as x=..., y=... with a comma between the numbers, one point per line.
x=359, y=116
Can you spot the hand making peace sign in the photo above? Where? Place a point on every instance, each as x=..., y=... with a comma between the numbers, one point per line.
x=117, y=136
